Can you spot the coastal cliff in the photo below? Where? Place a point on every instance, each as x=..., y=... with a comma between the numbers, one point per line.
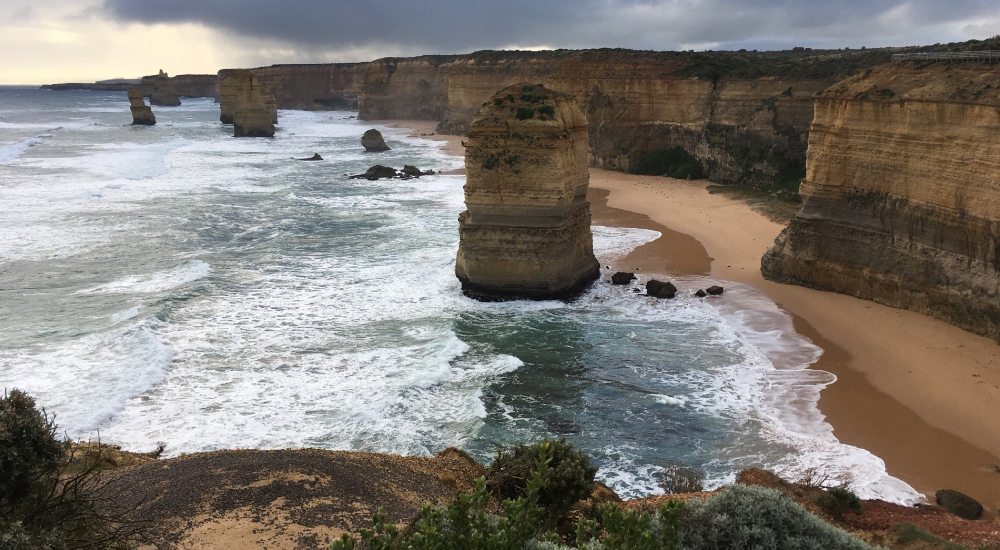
x=744, y=115
x=902, y=194
x=312, y=87
x=184, y=85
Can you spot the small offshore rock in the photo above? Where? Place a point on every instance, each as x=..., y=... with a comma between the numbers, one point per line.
x=960, y=504
x=414, y=172
x=314, y=157
x=622, y=278
x=377, y=172
x=373, y=142
x=660, y=289
x=700, y=293
x=715, y=290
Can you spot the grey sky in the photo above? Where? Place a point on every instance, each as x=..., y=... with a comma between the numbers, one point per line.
x=81, y=40
x=447, y=26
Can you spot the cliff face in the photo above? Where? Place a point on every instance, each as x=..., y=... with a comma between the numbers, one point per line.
x=246, y=104
x=902, y=194
x=163, y=93
x=312, y=87
x=526, y=232
x=745, y=129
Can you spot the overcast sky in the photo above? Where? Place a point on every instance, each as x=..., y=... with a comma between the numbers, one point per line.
x=83, y=40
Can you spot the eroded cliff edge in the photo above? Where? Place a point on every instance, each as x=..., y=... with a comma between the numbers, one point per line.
x=902, y=194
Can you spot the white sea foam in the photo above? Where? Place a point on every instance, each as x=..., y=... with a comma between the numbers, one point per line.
x=160, y=281
x=613, y=243
x=13, y=151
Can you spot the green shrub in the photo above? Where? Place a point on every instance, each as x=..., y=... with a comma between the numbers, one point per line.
x=838, y=501
x=524, y=113
x=908, y=533
x=758, y=518
x=674, y=163
x=44, y=504
x=29, y=450
x=568, y=479
x=677, y=479
x=547, y=110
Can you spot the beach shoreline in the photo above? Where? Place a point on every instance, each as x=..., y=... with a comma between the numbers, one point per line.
x=918, y=393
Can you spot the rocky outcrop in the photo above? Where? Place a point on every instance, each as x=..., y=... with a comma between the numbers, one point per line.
x=312, y=87
x=526, y=230
x=141, y=113
x=246, y=105
x=410, y=88
x=660, y=289
x=902, y=195
x=163, y=93
x=960, y=504
x=184, y=85
x=372, y=141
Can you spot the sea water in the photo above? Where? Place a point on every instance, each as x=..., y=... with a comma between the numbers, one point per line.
x=173, y=284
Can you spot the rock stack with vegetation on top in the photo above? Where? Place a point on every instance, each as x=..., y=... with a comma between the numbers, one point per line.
x=526, y=232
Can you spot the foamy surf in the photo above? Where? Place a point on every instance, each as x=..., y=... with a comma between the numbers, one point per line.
x=13, y=151
x=160, y=281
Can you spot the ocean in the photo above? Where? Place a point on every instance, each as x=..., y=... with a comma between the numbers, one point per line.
x=173, y=284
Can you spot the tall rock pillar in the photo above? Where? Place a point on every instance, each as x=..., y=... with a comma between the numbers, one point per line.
x=141, y=113
x=245, y=104
x=526, y=233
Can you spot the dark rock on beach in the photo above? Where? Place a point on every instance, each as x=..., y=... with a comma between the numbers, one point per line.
x=314, y=157
x=960, y=504
x=409, y=172
x=715, y=290
x=622, y=278
x=373, y=142
x=660, y=289
x=700, y=293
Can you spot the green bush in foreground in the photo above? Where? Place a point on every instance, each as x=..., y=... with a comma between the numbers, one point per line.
x=568, y=477
x=838, y=501
x=756, y=518
x=464, y=524
x=43, y=505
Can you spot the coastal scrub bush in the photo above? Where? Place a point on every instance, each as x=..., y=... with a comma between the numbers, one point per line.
x=677, y=479
x=464, y=524
x=758, y=518
x=524, y=113
x=46, y=502
x=568, y=479
x=675, y=163
x=838, y=501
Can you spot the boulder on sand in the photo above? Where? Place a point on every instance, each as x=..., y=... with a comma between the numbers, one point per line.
x=960, y=504
x=373, y=142
x=715, y=290
x=141, y=113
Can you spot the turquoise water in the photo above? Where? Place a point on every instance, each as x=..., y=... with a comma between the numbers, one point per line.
x=174, y=284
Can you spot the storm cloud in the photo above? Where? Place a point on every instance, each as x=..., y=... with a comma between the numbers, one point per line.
x=457, y=26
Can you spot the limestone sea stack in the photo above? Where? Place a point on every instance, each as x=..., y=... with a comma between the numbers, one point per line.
x=526, y=230
x=373, y=142
x=246, y=104
x=901, y=201
x=141, y=113
x=164, y=94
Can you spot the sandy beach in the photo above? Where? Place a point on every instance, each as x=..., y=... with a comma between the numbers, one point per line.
x=920, y=394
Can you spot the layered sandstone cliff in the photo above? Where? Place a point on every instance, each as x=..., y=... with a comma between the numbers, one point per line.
x=744, y=115
x=312, y=87
x=163, y=93
x=184, y=85
x=247, y=105
x=141, y=113
x=902, y=195
x=526, y=232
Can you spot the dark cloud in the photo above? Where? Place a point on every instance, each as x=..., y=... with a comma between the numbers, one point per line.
x=447, y=26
